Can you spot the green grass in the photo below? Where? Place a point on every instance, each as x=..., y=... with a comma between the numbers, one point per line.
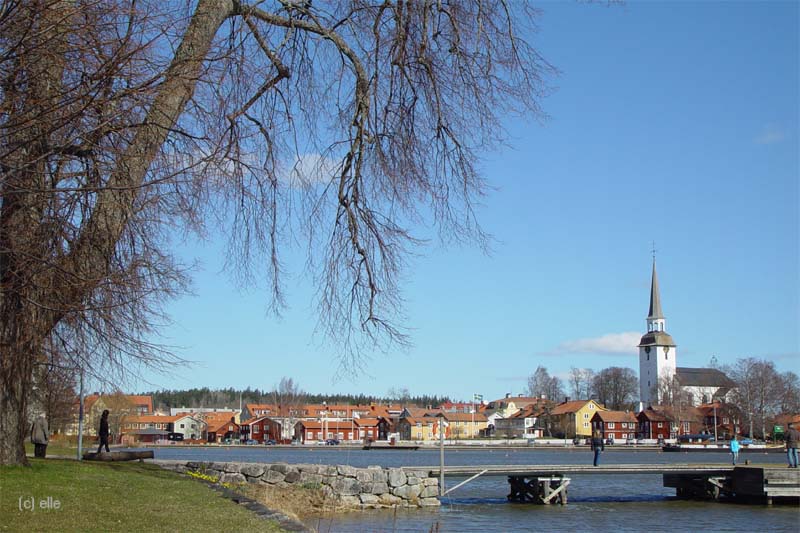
x=116, y=497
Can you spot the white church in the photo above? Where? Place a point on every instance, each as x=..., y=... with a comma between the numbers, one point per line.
x=658, y=360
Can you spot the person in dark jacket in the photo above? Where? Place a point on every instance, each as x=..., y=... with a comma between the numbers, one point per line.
x=40, y=435
x=103, y=432
x=792, y=443
x=597, y=445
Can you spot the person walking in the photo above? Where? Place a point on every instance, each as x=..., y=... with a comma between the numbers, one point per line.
x=792, y=442
x=735, y=449
x=103, y=432
x=597, y=445
x=40, y=435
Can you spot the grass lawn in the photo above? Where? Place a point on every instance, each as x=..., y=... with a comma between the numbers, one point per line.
x=115, y=497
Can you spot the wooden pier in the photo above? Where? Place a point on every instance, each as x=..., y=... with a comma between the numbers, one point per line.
x=546, y=484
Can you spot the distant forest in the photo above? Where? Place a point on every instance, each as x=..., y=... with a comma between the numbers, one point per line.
x=220, y=398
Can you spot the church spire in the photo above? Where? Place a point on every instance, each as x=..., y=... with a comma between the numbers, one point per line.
x=655, y=298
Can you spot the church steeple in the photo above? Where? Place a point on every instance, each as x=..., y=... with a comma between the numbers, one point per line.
x=655, y=318
x=657, y=357
x=655, y=298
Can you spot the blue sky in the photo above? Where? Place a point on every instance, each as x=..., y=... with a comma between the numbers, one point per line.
x=672, y=122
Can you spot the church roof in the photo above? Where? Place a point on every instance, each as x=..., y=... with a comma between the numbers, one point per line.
x=655, y=297
x=657, y=338
x=703, y=377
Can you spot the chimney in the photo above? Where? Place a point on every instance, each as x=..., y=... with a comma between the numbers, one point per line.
x=566, y=399
x=508, y=395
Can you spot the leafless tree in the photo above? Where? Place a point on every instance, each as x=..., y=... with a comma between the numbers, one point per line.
x=580, y=382
x=329, y=125
x=55, y=393
x=542, y=384
x=616, y=387
x=668, y=391
x=399, y=394
x=759, y=392
x=288, y=397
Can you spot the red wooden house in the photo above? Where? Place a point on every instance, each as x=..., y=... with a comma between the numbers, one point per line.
x=309, y=431
x=653, y=424
x=261, y=429
x=615, y=425
x=219, y=432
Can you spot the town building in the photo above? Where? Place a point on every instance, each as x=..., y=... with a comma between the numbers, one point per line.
x=653, y=424
x=659, y=375
x=261, y=429
x=615, y=426
x=570, y=419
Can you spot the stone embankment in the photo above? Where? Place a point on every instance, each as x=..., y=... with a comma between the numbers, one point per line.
x=373, y=487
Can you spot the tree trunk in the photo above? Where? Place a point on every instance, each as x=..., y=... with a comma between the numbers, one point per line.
x=32, y=302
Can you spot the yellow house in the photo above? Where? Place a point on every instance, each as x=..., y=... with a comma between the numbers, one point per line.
x=573, y=418
x=464, y=425
x=424, y=428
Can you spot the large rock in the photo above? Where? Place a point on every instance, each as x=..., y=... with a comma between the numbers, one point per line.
x=252, y=470
x=408, y=492
x=428, y=481
x=310, y=479
x=292, y=476
x=232, y=478
x=429, y=502
x=283, y=468
x=429, y=492
x=389, y=499
x=412, y=479
x=379, y=488
x=379, y=476
x=273, y=476
x=346, y=470
x=231, y=468
x=369, y=499
x=364, y=476
x=396, y=477
x=346, y=486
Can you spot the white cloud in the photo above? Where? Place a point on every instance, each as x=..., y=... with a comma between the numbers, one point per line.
x=770, y=134
x=610, y=344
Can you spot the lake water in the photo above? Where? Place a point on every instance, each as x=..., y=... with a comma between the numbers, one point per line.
x=596, y=502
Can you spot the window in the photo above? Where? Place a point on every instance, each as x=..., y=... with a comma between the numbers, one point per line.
x=256, y=429
x=591, y=406
x=586, y=424
x=585, y=415
x=624, y=435
x=661, y=424
x=611, y=425
x=182, y=426
x=419, y=424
